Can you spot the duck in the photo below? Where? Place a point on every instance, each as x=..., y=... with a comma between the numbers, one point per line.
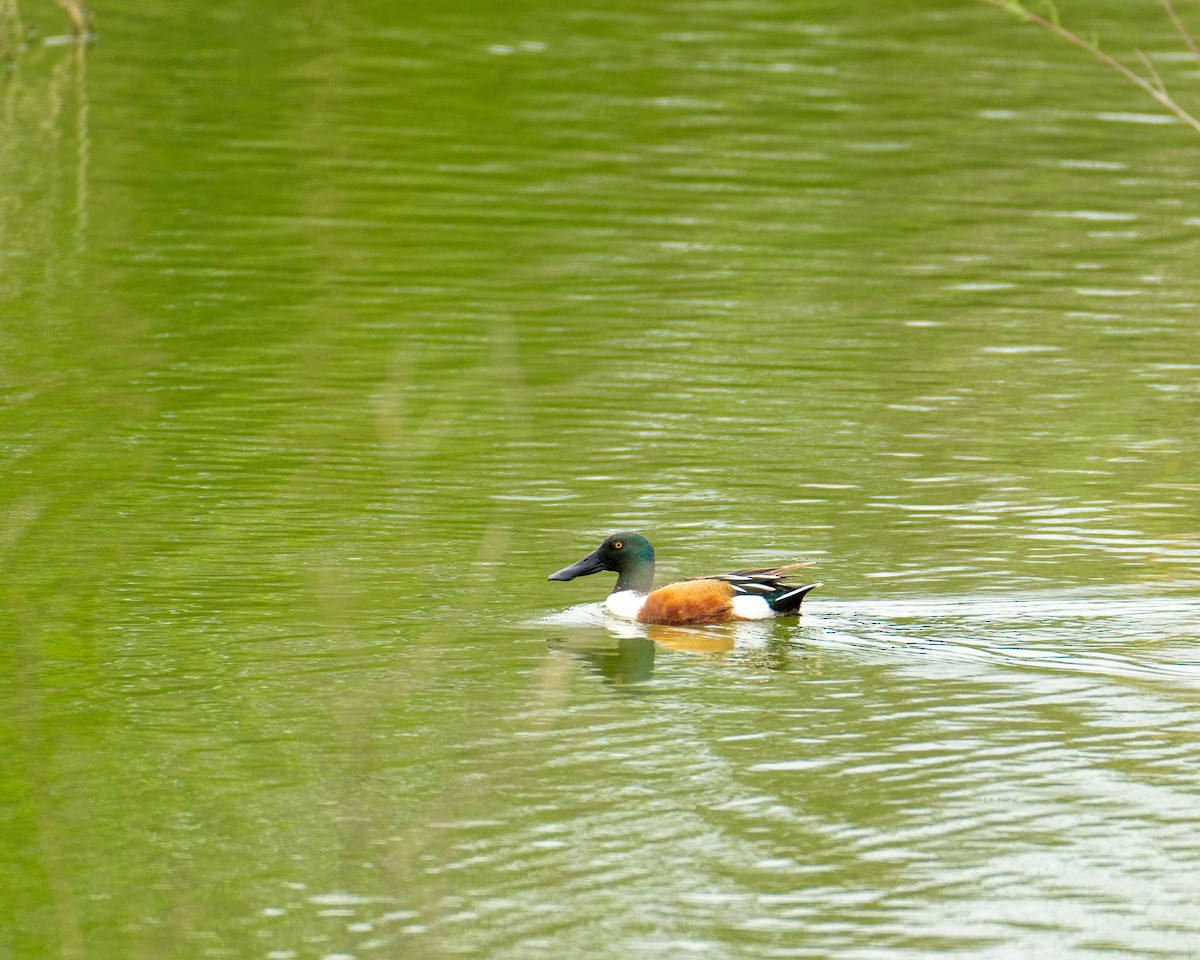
x=715, y=598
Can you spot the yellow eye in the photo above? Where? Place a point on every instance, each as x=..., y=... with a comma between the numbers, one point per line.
x=618, y=545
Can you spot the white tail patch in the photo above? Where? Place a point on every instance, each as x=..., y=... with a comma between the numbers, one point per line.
x=746, y=607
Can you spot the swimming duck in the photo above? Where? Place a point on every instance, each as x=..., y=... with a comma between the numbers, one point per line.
x=716, y=598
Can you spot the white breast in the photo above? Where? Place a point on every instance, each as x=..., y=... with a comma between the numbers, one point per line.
x=627, y=603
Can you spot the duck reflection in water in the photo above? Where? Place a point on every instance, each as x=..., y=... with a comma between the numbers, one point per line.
x=631, y=660
x=633, y=656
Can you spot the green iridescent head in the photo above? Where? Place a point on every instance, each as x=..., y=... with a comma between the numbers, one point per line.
x=629, y=555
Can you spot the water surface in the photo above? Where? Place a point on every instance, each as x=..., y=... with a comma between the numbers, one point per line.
x=328, y=334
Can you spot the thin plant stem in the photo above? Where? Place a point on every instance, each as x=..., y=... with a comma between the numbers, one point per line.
x=1159, y=85
x=1113, y=64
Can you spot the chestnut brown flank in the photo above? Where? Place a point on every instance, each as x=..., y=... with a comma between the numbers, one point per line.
x=689, y=601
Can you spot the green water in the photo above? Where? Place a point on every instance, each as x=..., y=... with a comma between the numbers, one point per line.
x=328, y=331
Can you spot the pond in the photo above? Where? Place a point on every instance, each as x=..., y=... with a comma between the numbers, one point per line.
x=329, y=331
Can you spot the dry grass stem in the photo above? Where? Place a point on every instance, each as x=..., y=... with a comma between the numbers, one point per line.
x=1159, y=85
x=1181, y=29
x=1156, y=91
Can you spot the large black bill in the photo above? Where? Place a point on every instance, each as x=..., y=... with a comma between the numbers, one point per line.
x=589, y=564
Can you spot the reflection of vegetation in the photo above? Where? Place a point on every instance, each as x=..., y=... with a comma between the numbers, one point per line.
x=1154, y=86
x=81, y=17
x=11, y=33
x=10, y=30
x=44, y=155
